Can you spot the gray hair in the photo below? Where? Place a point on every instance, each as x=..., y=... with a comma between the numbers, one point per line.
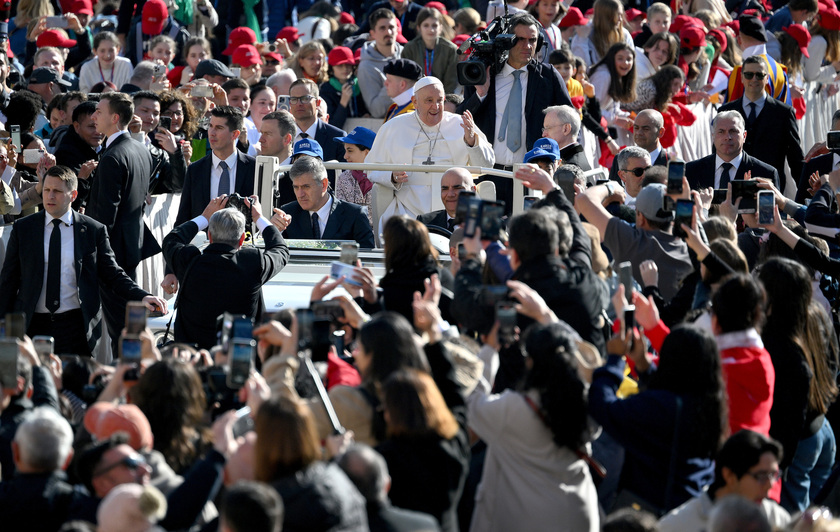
x=732, y=115
x=44, y=440
x=281, y=80
x=308, y=165
x=734, y=512
x=655, y=117
x=631, y=152
x=227, y=226
x=575, y=171
x=143, y=72
x=367, y=470
x=567, y=115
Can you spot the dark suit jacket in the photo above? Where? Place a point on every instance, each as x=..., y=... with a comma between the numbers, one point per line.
x=325, y=136
x=73, y=152
x=774, y=136
x=437, y=218
x=118, y=197
x=239, y=272
x=347, y=221
x=822, y=164
x=196, y=193
x=387, y=518
x=545, y=88
x=573, y=154
x=22, y=277
x=701, y=173
x=661, y=160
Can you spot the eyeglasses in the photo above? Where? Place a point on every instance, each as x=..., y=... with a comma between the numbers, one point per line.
x=302, y=99
x=766, y=476
x=638, y=172
x=549, y=128
x=172, y=113
x=131, y=462
x=751, y=75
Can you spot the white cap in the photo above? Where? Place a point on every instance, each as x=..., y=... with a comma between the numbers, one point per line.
x=425, y=82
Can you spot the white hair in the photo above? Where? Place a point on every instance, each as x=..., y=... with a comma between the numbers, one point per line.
x=44, y=440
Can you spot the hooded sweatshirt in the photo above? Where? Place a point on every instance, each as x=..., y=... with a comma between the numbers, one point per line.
x=371, y=76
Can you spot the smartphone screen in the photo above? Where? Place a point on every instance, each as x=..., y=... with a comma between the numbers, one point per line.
x=239, y=362
x=629, y=319
x=528, y=202
x=43, y=347
x=16, y=138
x=305, y=317
x=8, y=363
x=242, y=329
x=491, y=219
x=746, y=190
x=349, y=253
x=676, y=171
x=833, y=140
x=135, y=317
x=472, y=217
x=625, y=275
x=683, y=214
x=15, y=325
x=463, y=206
x=506, y=316
x=131, y=350
x=165, y=122
x=766, y=201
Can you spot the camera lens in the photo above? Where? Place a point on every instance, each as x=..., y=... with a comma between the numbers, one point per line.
x=471, y=73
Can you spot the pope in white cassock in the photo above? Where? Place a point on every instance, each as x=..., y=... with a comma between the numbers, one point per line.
x=429, y=135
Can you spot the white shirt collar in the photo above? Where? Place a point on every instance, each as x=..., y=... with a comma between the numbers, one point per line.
x=231, y=161
x=736, y=162
x=507, y=70
x=760, y=101
x=404, y=97
x=311, y=130
x=758, y=49
x=324, y=212
x=113, y=137
x=67, y=218
x=654, y=155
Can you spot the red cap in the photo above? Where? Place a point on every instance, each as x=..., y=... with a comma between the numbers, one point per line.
x=802, y=36
x=400, y=37
x=437, y=5
x=246, y=55
x=573, y=18
x=720, y=37
x=289, y=33
x=154, y=17
x=81, y=7
x=633, y=14
x=357, y=54
x=240, y=36
x=590, y=12
x=346, y=18
x=458, y=40
x=341, y=55
x=692, y=37
x=54, y=38
x=681, y=21
x=275, y=56
x=829, y=19
x=735, y=26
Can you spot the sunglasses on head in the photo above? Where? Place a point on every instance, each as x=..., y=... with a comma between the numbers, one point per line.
x=751, y=75
x=639, y=172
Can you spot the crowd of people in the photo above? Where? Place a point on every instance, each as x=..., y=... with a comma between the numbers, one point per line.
x=650, y=344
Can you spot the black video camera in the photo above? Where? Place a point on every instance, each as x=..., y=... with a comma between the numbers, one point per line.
x=490, y=48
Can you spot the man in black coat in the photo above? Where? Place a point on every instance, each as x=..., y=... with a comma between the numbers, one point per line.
x=648, y=128
x=499, y=115
x=729, y=162
x=304, y=100
x=78, y=146
x=224, y=265
x=75, y=321
x=317, y=214
x=452, y=183
x=772, y=132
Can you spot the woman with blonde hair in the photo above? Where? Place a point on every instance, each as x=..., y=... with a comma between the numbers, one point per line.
x=311, y=63
x=607, y=30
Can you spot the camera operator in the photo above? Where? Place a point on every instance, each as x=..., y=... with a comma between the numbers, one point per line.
x=225, y=277
x=500, y=110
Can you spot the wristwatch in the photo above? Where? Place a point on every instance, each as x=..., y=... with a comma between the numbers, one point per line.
x=610, y=188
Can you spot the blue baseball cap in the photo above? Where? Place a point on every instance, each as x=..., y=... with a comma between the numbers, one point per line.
x=544, y=148
x=308, y=147
x=361, y=136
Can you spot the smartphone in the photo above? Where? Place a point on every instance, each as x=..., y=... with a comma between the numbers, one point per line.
x=244, y=422
x=165, y=123
x=625, y=275
x=240, y=359
x=242, y=328
x=491, y=219
x=131, y=350
x=766, y=201
x=44, y=346
x=746, y=190
x=506, y=316
x=313, y=334
x=305, y=318
x=56, y=22
x=719, y=196
x=15, y=325
x=492, y=294
x=328, y=309
x=8, y=363
x=462, y=252
x=201, y=91
x=159, y=71
x=349, y=253
x=629, y=319
x=676, y=172
x=236, y=71
x=283, y=103
x=16, y=138
x=683, y=213
x=463, y=206
x=832, y=141
x=337, y=269
x=135, y=317
x=32, y=156
x=566, y=181
x=472, y=217
x=224, y=326
x=528, y=201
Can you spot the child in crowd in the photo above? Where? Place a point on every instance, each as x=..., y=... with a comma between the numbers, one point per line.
x=163, y=48
x=107, y=66
x=562, y=62
x=658, y=20
x=195, y=51
x=354, y=186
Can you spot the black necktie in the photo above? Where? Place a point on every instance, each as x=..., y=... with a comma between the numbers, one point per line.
x=53, y=296
x=316, y=227
x=304, y=135
x=751, y=117
x=450, y=224
x=724, y=176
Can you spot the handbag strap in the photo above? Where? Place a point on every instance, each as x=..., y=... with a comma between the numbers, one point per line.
x=180, y=290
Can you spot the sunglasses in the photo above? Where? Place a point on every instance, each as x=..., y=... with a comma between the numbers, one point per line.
x=131, y=462
x=638, y=172
x=751, y=75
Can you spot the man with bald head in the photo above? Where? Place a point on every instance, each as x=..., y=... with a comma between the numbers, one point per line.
x=452, y=183
x=648, y=128
x=429, y=136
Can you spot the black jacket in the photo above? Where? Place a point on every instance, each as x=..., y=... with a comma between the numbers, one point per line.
x=168, y=170
x=398, y=287
x=72, y=151
x=43, y=502
x=196, y=192
x=435, y=218
x=347, y=221
x=239, y=272
x=574, y=154
x=774, y=136
x=382, y=517
x=701, y=173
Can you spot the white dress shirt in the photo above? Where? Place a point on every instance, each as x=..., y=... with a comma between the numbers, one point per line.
x=759, y=104
x=504, y=84
x=654, y=155
x=216, y=173
x=736, y=163
x=310, y=131
x=113, y=137
x=69, y=289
